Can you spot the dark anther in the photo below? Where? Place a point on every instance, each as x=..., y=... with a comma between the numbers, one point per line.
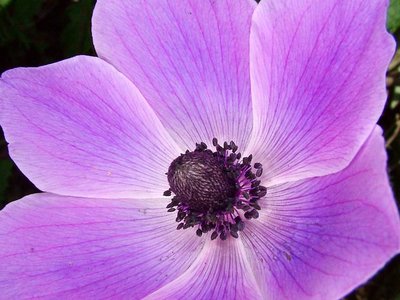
x=257, y=165
x=240, y=225
x=248, y=215
x=256, y=206
x=215, y=142
x=262, y=191
x=234, y=234
x=254, y=214
x=223, y=235
x=234, y=148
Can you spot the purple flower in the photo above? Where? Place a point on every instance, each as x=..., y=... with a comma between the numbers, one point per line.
x=296, y=84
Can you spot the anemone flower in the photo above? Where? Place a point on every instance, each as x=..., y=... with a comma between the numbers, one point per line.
x=214, y=150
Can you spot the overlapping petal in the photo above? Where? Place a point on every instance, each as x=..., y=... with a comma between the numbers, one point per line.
x=319, y=238
x=190, y=59
x=318, y=83
x=80, y=128
x=220, y=272
x=58, y=247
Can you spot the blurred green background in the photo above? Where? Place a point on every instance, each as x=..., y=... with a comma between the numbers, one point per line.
x=38, y=32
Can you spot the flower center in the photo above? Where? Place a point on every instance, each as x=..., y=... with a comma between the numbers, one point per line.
x=214, y=189
x=201, y=181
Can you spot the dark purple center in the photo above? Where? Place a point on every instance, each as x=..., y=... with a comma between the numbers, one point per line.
x=213, y=190
x=200, y=180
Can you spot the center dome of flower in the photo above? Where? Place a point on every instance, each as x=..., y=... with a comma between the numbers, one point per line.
x=201, y=181
x=213, y=190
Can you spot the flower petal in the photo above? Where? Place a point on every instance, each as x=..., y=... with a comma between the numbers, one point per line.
x=318, y=83
x=80, y=128
x=57, y=247
x=220, y=272
x=320, y=238
x=190, y=59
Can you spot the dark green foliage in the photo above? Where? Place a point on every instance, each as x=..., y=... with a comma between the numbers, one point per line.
x=36, y=32
x=5, y=172
x=76, y=37
x=394, y=16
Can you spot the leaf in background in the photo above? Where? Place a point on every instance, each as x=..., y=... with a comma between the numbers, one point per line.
x=24, y=11
x=394, y=16
x=76, y=38
x=17, y=21
x=3, y=3
x=5, y=172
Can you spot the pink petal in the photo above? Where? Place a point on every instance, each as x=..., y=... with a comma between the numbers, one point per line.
x=220, y=272
x=80, y=128
x=190, y=59
x=320, y=238
x=318, y=83
x=56, y=247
